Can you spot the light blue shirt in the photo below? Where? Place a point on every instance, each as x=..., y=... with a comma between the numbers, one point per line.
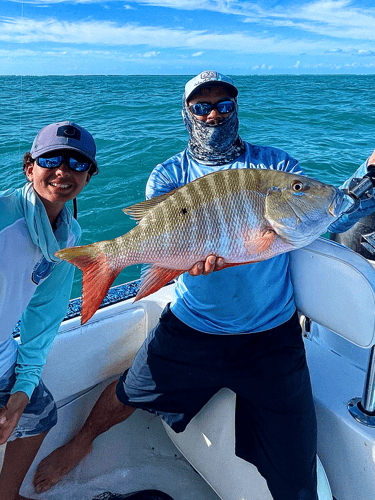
x=34, y=284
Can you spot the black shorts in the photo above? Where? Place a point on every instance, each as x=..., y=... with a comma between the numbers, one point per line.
x=178, y=369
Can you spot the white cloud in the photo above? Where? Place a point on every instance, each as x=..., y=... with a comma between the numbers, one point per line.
x=331, y=18
x=352, y=52
x=197, y=54
x=262, y=67
x=108, y=33
x=153, y=53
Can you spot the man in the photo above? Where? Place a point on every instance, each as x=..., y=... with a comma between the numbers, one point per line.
x=237, y=328
x=36, y=286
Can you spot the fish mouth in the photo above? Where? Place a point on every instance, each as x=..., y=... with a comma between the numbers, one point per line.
x=340, y=204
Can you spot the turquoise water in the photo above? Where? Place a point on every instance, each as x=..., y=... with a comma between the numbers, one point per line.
x=326, y=122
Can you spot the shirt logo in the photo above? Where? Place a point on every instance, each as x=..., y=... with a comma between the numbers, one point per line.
x=42, y=270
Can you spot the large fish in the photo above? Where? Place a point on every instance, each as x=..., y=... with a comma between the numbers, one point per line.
x=243, y=216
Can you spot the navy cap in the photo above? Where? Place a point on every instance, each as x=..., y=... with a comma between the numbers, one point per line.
x=65, y=135
x=208, y=79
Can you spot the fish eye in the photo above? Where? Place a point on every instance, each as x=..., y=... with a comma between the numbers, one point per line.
x=297, y=186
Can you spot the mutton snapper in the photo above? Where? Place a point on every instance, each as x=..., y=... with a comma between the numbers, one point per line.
x=243, y=216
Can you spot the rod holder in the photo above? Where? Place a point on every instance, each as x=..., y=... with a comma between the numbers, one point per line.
x=363, y=410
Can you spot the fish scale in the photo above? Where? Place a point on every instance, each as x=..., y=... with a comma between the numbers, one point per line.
x=185, y=241
x=240, y=215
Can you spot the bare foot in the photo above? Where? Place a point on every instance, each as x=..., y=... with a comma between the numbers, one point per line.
x=61, y=461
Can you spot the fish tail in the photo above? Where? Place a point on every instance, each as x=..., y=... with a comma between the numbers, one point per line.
x=98, y=275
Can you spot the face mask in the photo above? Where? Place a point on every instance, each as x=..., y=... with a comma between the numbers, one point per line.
x=213, y=144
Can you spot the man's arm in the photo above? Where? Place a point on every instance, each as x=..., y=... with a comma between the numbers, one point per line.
x=367, y=206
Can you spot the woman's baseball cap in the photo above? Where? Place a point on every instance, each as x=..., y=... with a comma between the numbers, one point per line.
x=65, y=135
x=208, y=79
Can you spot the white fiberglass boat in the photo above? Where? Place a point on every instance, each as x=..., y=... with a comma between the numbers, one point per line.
x=335, y=294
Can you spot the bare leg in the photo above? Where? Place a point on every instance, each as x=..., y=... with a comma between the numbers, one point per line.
x=107, y=412
x=19, y=455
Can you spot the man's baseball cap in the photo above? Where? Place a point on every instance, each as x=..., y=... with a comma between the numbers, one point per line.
x=208, y=79
x=65, y=135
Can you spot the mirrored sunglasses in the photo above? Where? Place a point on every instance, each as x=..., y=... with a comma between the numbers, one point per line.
x=56, y=161
x=205, y=108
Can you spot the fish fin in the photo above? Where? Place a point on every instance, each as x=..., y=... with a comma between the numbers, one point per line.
x=97, y=277
x=155, y=278
x=139, y=210
x=260, y=243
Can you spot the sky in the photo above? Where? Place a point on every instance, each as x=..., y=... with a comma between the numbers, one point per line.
x=184, y=37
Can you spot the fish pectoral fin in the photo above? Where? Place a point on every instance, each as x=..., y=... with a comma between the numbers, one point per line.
x=155, y=278
x=260, y=242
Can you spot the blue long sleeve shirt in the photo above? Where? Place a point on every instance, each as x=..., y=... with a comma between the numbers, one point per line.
x=34, y=284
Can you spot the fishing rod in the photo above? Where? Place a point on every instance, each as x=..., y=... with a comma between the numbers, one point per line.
x=360, y=190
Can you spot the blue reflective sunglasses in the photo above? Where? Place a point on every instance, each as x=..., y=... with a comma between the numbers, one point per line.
x=205, y=108
x=56, y=161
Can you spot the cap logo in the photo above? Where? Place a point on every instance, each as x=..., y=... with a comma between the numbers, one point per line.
x=69, y=131
x=208, y=75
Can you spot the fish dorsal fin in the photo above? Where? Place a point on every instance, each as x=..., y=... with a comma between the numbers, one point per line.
x=139, y=210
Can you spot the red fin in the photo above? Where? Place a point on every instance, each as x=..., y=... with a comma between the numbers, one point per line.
x=154, y=279
x=260, y=243
x=97, y=277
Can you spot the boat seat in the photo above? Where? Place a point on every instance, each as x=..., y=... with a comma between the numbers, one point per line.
x=208, y=443
x=335, y=287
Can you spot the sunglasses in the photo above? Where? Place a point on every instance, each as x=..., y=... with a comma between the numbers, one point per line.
x=56, y=161
x=205, y=108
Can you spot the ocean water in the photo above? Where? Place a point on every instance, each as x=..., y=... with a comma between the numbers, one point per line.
x=326, y=122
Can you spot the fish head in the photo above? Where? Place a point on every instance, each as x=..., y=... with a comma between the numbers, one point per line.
x=299, y=209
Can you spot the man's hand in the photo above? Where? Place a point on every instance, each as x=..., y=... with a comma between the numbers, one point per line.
x=11, y=413
x=371, y=160
x=212, y=263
